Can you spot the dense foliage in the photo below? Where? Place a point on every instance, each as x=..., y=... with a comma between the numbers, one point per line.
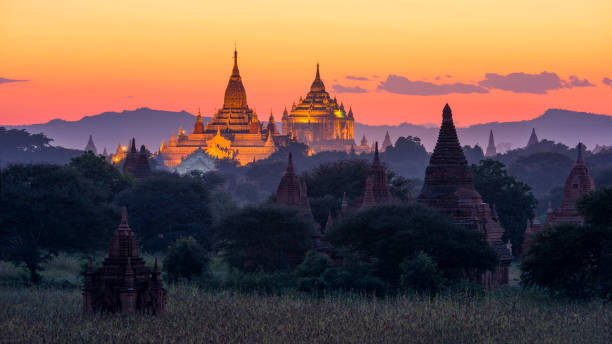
x=511, y=198
x=19, y=146
x=573, y=260
x=165, y=207
x=185, y=259
x=267, y=237
x=50, y=208
x=391, y=233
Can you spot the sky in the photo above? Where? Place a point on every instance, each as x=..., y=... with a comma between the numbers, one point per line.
x=392, y=61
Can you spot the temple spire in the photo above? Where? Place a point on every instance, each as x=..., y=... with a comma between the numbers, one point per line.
x=533, y=139
x=376, y=159
x=579, y=159
x=491, y=150
x=290, y=168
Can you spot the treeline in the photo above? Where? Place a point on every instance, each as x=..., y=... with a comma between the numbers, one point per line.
x=19, y=146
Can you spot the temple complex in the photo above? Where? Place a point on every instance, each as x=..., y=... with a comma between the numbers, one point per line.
x=491, y=150
x=449, y=188
x=137, y=162
x=386, y=142
x=234, y=132
x=376, y=185
x=319, y=121
x=91, y=147
x=124, y=283
x=578, y=184
x=533, y=139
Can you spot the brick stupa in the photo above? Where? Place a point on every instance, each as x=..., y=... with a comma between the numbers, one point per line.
x=376, y=185
x=449, y=188
x=578, y=184
x=137, y=162
x=123, y=283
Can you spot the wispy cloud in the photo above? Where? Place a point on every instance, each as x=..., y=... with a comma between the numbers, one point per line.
x=401, y=85
x=531, y=83
x=607, y=81
x=349, y=89
x=6, y=80
x=358, y=78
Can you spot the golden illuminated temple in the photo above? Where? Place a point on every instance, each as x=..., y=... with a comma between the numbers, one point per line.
x=234, y=131
x=319, y=121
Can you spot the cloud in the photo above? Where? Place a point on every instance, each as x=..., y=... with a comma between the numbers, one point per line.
x=375, y=76
x=349, y=89
x=531, y=83
x=128, y=97
x=6, y=81
x=607, y=81
x=400, y=85
x=448, y=76
x=358, y=78
x=574, y=81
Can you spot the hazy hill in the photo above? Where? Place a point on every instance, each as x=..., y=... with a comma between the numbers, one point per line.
x=563, y=126
x=149, y=127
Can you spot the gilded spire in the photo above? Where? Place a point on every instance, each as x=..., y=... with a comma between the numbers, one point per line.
x=235, y=94
x=317, y=84
x=579, y=159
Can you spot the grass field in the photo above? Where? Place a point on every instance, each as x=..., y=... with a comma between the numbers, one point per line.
x=31, y=315
x=53, y=315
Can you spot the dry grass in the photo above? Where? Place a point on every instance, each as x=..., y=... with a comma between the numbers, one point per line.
x=52, y=315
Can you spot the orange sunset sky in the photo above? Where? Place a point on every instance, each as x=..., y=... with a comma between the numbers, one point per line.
x=72, y=58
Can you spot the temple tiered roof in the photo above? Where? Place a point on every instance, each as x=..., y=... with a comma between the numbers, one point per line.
x=376, y=188
x=578, y=183
x=449, y=188
x=124, y=283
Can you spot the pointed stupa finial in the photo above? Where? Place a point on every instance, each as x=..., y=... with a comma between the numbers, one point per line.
x=155, y=268
x=235, y=71
x=376, y=159
x=579, y=156
x=447, y=114
x=290, y=166
x=124, y=221
x=344, y=204
x=533, y=139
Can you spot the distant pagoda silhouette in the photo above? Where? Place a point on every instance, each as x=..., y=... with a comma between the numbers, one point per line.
x=449, y=188
x=91, y=147
x=533, y=139
x=124, y=283
x=376, y=186
x=578, y=183
x=491, y=150
x=137, y=162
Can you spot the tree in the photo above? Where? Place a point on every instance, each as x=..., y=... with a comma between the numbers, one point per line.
x=268, y=237
x=421, y=274
x=186, y=258
x=390, y=233
x=571, y=260
x=473, y=154
x=408, y=156
x=101, y=173
x=512, y=199
x=597, y=207
x=47, y=209
x=542, y=171
x=166, y=207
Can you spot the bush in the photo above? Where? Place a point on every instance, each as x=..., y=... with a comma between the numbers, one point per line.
x=387, y=234
x=186, y=259
x=572, y=261
x=265, y=237
x=421, y=274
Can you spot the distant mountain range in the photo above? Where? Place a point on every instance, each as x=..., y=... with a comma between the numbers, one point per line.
x=150, y=126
